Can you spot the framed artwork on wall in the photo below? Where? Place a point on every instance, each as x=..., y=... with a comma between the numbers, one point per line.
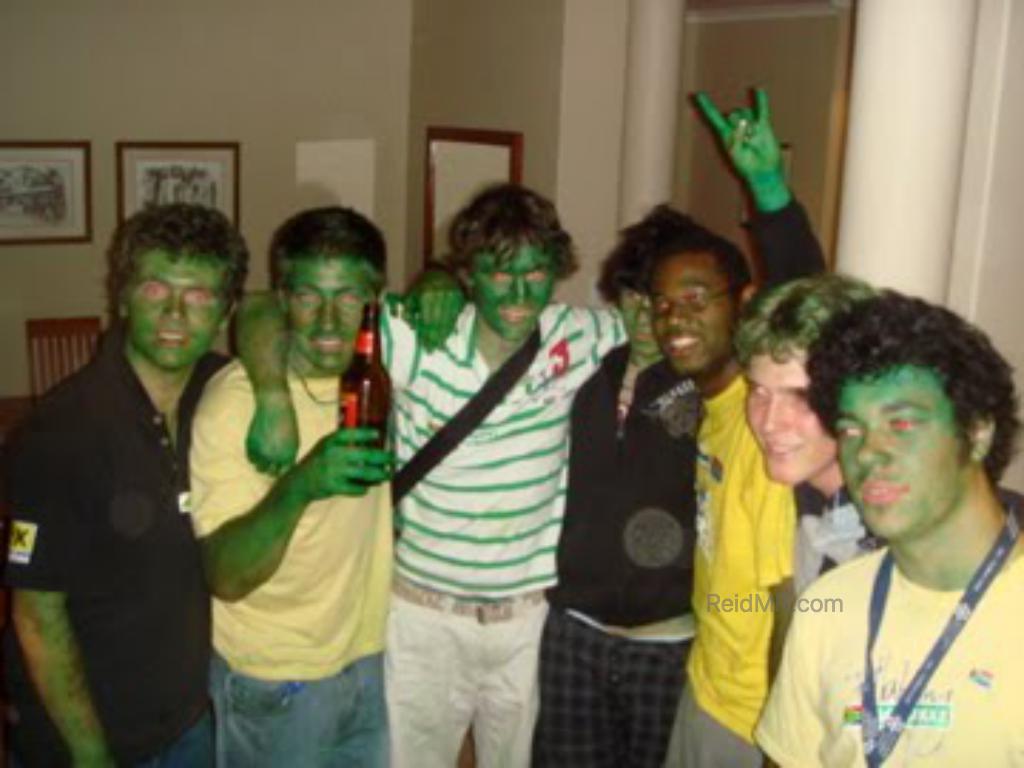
x=45, y=192
x=459, y=163
x=159, y=172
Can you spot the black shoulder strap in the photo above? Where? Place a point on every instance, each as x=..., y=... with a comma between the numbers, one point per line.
x=471, y=415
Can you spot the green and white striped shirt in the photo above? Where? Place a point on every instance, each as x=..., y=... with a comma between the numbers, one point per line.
x=485, y=522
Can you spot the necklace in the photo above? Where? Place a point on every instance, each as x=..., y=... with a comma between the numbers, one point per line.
x=302, y=379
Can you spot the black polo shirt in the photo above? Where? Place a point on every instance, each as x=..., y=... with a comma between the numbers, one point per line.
x=97, y=493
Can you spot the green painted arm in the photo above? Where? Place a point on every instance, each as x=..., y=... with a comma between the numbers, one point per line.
x=272, y=442
x=246, y=551
x=54, y=663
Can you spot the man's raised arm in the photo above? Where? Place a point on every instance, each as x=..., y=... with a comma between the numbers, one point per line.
x=782, y=234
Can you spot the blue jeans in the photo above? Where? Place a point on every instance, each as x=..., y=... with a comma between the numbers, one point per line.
x=337, y=721
x=194, y=749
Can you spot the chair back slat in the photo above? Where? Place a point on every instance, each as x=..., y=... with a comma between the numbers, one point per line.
x=57, y=347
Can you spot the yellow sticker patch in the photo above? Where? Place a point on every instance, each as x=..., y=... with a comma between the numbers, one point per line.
x=23, y=541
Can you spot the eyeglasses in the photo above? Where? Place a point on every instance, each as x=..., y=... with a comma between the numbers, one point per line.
x=691, y=300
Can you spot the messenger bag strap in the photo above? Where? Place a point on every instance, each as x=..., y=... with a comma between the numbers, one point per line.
x=471, y=415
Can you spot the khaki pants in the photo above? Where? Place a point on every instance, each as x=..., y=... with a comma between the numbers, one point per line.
x=447, y=672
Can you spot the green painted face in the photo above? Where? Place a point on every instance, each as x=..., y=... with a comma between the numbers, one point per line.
x=510, y=294
x=903, y=457
x=324, y=298
x=636, y=316
x=173, y=309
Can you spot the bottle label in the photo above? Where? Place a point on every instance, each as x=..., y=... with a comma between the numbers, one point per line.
x=364, y=343
x=350, y=409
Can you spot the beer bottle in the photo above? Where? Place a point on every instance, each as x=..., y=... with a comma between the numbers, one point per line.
x=365, y=397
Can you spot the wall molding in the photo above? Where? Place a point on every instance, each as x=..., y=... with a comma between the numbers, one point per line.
x=774, y=12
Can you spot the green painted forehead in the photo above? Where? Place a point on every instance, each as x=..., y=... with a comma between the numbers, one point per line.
x=303, y=267
x=519, y=259
x=909, y=384
x=161, y=264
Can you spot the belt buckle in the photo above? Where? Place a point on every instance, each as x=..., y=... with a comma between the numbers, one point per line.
x=493, y=613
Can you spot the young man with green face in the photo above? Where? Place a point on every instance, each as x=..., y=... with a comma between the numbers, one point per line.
x=478, y=534
x=300, y=566
x=108, y=660
x=911, y=653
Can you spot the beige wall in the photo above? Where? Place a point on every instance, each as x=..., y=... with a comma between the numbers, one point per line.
x=590, y=135
x=800, y=60
x=987, y=267
x=260, y=72
x=494, y=65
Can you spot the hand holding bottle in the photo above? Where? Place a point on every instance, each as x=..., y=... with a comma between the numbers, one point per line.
x=344, y=463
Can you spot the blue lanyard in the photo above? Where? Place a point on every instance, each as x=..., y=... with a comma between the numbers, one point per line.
x=880, y=739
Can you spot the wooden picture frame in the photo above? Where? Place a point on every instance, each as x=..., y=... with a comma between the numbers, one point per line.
x=489, y=157
x=45, y=192
x=152, y=172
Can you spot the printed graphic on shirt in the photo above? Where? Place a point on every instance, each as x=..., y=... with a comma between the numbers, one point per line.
x=982, y=677
x=652, y=538
x=679, y=410
x=557, y=365
x=705, y=534
x=709, y=470
x=22, y=542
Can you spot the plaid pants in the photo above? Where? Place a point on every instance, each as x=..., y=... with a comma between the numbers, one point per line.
x=604, y=700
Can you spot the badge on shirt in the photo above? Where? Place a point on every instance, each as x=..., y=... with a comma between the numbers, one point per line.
x=185, y=503
x=926, y=716
x=22, y=543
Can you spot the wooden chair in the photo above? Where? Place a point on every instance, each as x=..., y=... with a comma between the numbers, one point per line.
x=57, y=347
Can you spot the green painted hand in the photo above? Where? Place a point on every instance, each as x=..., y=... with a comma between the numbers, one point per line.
x=272, y=442
x=432, y=306
x=344, y=463
x=749, y=140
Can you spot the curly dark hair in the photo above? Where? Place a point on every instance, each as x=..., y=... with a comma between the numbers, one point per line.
x=891, y=331
x=503, y=218
x=182, y=231
x=328, y=231
x=660, y=234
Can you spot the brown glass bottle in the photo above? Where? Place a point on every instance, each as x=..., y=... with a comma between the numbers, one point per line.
x=365, y=397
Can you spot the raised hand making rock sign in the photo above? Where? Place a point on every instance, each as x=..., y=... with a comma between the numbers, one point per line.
x=749, y=140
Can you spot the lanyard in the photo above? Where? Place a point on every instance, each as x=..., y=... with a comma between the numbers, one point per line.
x=880, y=738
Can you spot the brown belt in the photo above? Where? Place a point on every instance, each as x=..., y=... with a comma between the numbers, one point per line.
x=484, y=611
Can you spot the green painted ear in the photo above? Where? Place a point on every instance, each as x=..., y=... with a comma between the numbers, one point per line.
x=981, y=440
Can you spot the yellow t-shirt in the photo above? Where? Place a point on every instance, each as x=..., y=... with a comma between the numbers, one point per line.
x=745, y=531
x=326, y=606
x=969, y=715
